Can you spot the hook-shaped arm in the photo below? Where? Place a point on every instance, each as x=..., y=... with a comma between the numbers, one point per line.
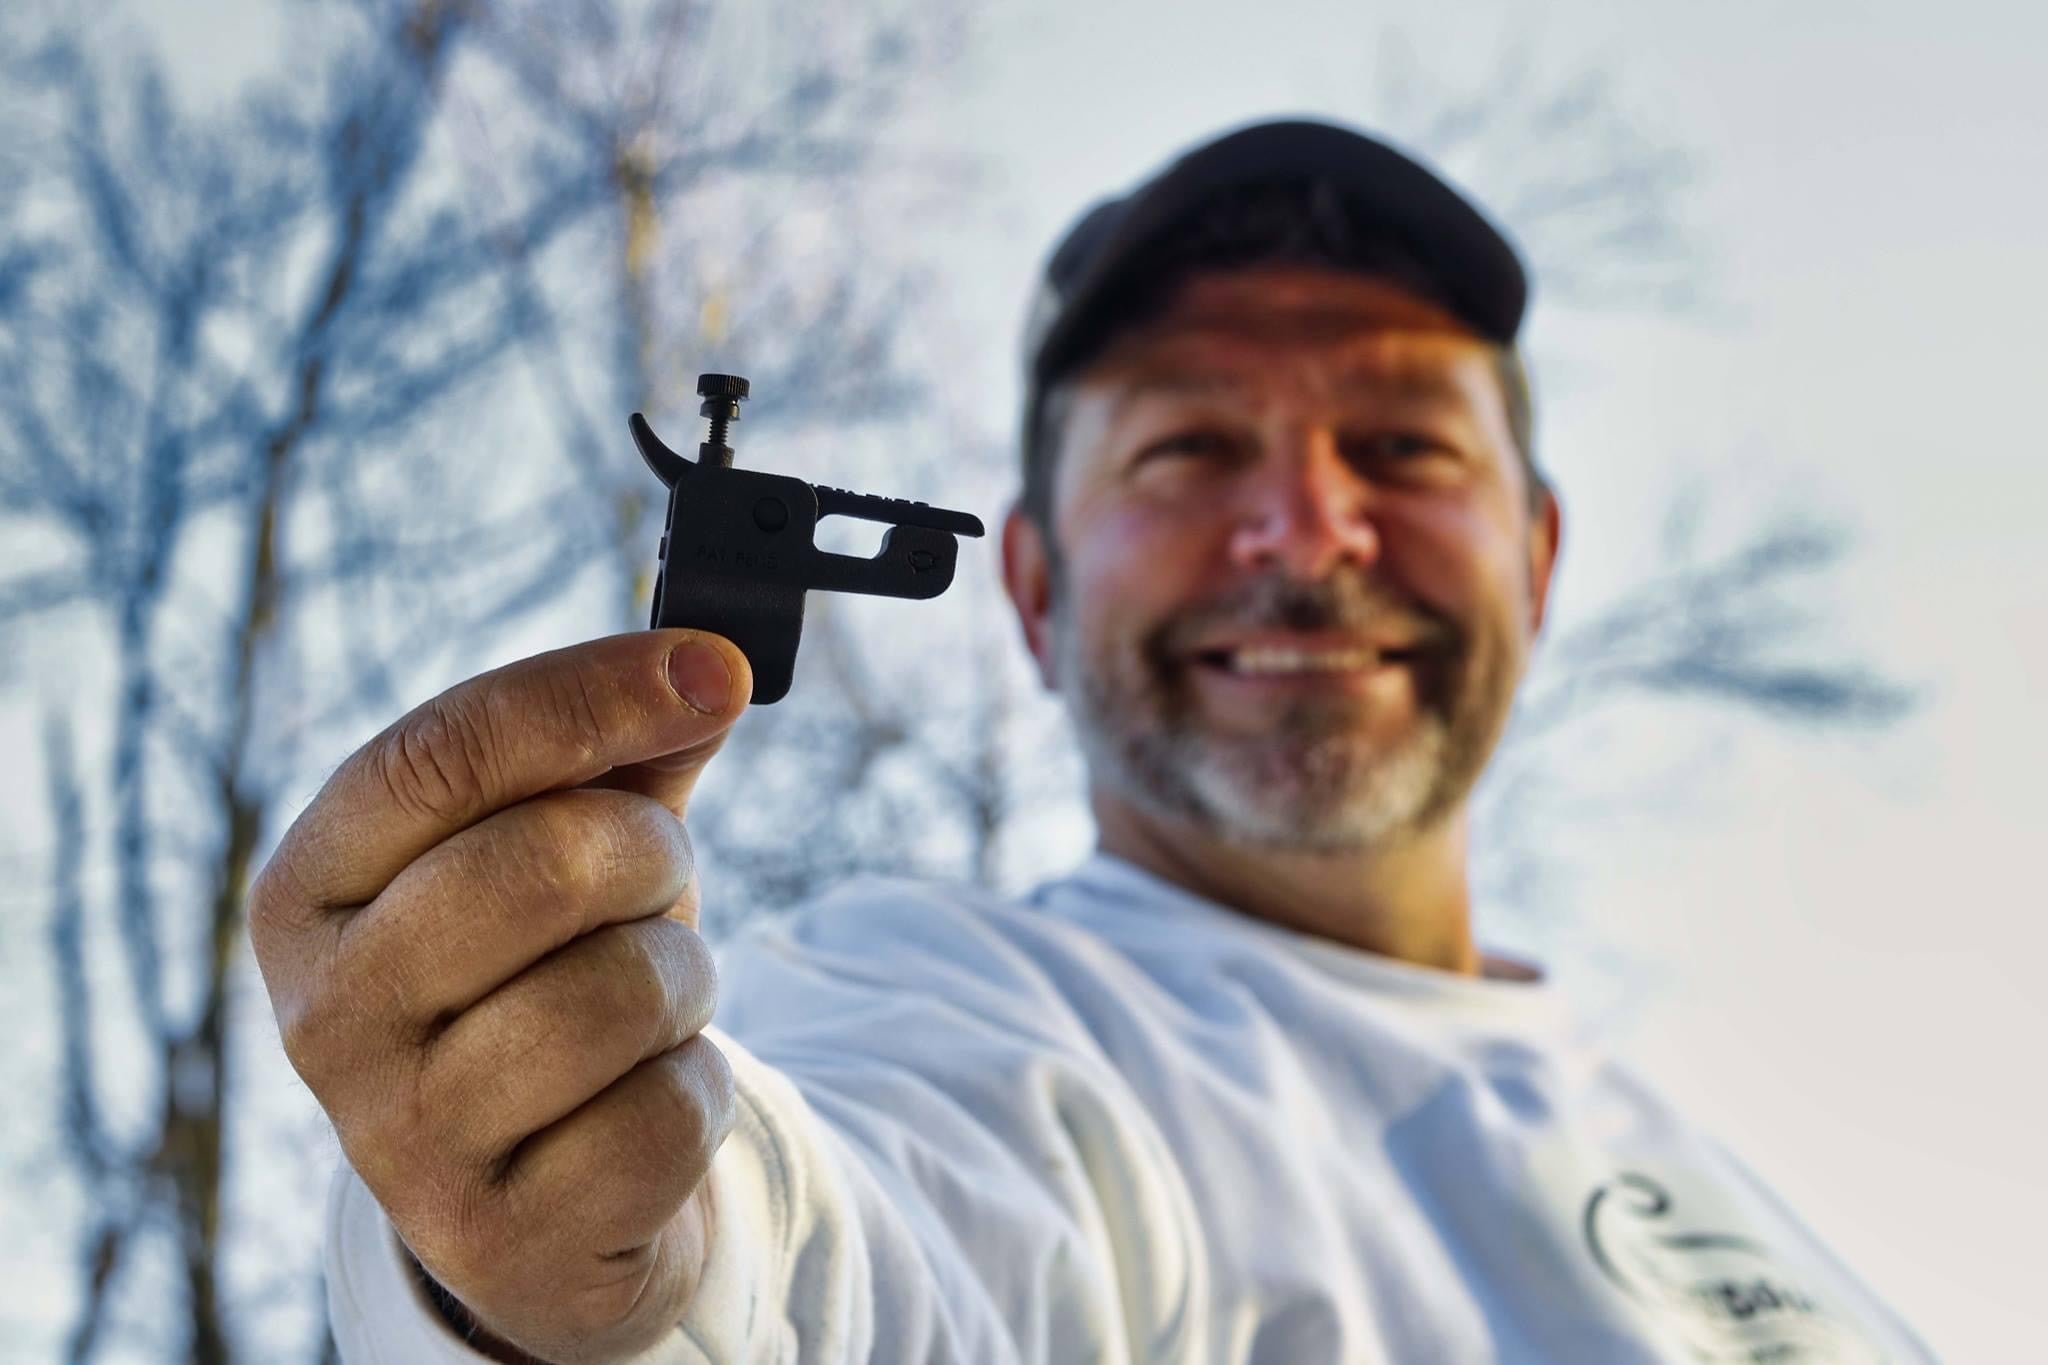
x=668, y=466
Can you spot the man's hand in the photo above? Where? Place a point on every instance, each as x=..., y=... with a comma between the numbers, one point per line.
x=480, y=943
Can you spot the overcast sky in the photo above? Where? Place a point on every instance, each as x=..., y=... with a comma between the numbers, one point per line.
x=1844, y=934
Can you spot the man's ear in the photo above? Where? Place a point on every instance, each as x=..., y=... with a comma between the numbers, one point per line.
x=1027, y=578
x=1546, y=528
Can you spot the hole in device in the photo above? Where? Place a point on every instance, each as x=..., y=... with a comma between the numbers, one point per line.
x=850, y=536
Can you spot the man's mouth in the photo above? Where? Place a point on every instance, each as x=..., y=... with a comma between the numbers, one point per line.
x=1279, y=658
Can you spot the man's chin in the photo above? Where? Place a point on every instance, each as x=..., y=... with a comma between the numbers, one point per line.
x=1335, y=795
x=1310, y=832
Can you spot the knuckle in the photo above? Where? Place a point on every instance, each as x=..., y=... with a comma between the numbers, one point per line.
x=458, y=1223
x=325, y=1039
x=721, y=1091
x=571, y=698
x=456, y=1109
x=436, y=761
x=548, y=849
x=668, y=851
x=641, y=986
x=610, y=834
x=467, y=1174
x=276, y=906
x=671, y=979
x=425, y=1137
x=365, y=1087
x=304, y=1040
x=698, y=1092
x=269, y=897
x=661, y=1139
x=685, y=851
x=599, y=1309
x=695, y=972
x=595, y=841
x=560, y=865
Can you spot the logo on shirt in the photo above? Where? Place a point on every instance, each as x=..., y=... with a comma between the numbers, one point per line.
x=1728, y=1299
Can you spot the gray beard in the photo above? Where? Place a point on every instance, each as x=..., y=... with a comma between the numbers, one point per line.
x=1312, y=782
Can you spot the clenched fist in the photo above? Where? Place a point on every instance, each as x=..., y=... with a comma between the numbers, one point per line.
x=480, y=943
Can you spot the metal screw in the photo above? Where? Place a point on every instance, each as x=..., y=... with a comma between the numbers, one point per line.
x=722, y=395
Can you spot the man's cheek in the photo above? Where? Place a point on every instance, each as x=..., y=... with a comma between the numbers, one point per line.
x=1441, y=553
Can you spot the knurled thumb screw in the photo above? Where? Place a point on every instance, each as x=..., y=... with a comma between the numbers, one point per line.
x=722, y=395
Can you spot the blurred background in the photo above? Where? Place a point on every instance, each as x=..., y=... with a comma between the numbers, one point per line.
x=319, y=325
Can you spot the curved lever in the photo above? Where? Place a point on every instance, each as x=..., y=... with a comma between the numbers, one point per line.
x=668, y=466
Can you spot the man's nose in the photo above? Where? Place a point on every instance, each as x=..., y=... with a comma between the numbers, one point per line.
x=1306, y=512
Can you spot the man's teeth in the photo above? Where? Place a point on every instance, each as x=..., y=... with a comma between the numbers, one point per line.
x=1280, y=660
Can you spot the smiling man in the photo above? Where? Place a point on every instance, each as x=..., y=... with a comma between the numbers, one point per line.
x=1242, y=1088
x=1290, y=569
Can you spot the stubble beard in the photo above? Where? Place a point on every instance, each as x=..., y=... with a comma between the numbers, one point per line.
x=1317, y=780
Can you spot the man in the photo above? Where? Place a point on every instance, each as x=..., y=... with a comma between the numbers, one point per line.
x=1241, y=1089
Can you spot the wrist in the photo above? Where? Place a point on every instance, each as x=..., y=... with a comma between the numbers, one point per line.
x=464, y=1324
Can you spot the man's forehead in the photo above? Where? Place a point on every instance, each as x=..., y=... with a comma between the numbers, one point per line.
x=1194, y=364
x=1306, y=298
x=1238, y=324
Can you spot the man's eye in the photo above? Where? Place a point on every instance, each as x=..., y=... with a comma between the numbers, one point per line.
x=1201, y=444
x=1393, y=445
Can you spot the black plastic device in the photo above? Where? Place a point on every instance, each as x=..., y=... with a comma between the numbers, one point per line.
x=738, y=554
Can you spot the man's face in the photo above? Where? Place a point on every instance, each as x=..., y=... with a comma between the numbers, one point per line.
x=1296, y=576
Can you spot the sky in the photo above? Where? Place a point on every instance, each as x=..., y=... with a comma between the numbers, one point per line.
x=1840, y=936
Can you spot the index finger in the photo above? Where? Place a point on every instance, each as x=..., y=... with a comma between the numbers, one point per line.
x=553, y=721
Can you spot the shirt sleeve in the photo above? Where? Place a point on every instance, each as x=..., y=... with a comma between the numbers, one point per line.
x=786, y=1280
x=1016, y=1204
x=932, y=1162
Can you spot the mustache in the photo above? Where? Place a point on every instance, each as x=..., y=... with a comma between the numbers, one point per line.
x=1344, y=601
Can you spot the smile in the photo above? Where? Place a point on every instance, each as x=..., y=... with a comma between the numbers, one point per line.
x=1265, y=661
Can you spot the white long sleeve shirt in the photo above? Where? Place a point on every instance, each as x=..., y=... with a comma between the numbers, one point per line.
x=1113, y=1122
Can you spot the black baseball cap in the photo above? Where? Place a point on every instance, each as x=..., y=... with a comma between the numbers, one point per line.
x=1392, y=198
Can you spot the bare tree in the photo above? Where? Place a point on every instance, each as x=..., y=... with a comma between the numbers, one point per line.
x=157, y=251
x=698, y=274
x=241, y=361
x=1733, y=631
x=1597, y=200
x=725, y=144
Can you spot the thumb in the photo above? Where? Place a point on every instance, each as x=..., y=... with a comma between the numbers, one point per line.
x=712, y=674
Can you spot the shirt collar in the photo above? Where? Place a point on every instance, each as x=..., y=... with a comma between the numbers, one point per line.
x=1506, y=980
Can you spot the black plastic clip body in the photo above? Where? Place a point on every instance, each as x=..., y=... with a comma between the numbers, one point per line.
x=739, y=554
